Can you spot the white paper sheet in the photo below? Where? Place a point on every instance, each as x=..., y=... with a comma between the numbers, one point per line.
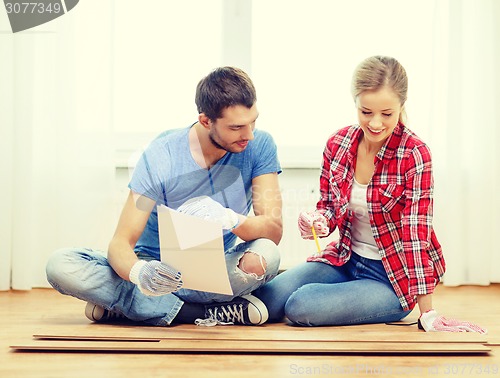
x=195, y=247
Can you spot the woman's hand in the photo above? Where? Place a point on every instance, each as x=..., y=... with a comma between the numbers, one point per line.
x=431, y=321
x=308, y=219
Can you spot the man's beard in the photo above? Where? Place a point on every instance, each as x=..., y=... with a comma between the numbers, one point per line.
x=217, y=145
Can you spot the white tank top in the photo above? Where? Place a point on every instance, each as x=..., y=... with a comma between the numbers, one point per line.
x=363, y=242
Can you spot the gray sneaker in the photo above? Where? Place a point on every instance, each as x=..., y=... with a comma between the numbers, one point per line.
x=100, y=314
x=246, y=310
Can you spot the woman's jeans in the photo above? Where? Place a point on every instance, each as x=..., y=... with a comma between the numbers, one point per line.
x=86, y=274
x=317, y=294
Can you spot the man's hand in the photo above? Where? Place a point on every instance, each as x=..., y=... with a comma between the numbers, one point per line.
x=308, y=219
x=154, y=278
x=206, y=208
x=431, y=321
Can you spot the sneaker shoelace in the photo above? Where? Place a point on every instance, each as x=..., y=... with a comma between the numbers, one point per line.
x=110, y=315
x=222, y=315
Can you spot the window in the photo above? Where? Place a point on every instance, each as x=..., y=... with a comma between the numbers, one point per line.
x=159, y=55
x=304, y=54
x=300, y=54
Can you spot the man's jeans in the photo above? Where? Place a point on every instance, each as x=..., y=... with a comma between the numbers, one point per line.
x=86, y=274
x=316, y=294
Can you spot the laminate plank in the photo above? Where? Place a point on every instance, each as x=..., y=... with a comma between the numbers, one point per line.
x=247, y=346
x=272, y=332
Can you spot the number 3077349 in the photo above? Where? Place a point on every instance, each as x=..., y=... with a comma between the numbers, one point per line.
x=33, y=8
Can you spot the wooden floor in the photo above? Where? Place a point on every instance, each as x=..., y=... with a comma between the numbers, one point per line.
x=23, y=314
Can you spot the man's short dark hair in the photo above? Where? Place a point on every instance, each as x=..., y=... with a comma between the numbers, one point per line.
x=222, y=88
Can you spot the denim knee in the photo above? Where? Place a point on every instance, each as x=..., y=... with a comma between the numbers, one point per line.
x=65, y=269
x=297, y=310
x=54, y=269
x=270, y=252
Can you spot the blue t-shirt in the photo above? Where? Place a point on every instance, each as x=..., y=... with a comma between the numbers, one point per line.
x=168, y=174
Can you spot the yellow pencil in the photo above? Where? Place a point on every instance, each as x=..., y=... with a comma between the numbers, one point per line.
x=316, y=238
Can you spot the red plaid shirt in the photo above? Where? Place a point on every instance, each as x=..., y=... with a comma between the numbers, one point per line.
x=399, y=198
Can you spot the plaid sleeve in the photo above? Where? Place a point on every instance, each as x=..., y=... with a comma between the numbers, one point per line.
x=417, y=221
x=325, y=202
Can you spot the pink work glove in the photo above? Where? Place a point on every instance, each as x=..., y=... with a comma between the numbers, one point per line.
x=431, y=321
x=309, y=218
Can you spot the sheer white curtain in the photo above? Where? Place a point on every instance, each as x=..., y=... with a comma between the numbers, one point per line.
x=464, y=136
x=56, y=156
x=77, y=92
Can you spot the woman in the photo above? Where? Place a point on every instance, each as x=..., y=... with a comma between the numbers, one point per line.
x=376, y=187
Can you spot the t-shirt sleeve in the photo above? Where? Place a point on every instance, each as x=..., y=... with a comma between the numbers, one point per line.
x=266, y=156
x=147, y=176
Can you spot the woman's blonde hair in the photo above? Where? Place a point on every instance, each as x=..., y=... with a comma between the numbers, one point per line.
x=378, y=71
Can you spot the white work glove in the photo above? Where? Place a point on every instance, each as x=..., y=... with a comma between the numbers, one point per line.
x=431, y=321
x=154, y=278
x=309, y=218
x=206, y=208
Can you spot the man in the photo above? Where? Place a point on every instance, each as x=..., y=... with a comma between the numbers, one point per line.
x=217, y=169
